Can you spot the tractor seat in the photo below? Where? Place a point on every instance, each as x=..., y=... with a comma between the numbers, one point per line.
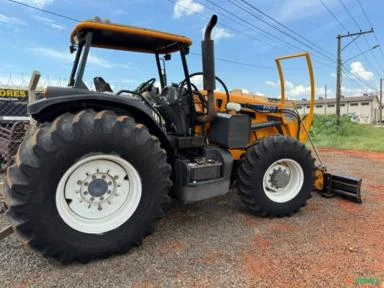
x=101, y=85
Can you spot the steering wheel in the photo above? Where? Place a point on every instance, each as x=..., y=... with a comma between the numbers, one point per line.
x=202, y=98
x=145, y=85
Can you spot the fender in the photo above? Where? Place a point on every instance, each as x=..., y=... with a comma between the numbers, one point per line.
x=48, y=109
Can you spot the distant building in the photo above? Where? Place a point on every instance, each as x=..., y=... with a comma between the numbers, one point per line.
x=362, y=109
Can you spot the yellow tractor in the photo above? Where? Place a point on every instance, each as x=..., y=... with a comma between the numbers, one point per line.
x=98, y=168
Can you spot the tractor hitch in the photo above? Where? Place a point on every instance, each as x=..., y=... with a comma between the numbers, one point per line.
x=343, y=186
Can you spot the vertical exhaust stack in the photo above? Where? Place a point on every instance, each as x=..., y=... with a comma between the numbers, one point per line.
x=209, y=80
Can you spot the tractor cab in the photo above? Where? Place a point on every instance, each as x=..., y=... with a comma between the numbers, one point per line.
x=172, y=102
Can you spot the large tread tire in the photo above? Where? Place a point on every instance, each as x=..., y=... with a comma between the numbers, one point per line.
x=46, y=155
x=255, y=164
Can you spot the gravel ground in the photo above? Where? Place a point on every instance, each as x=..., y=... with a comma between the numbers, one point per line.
x=216, y=243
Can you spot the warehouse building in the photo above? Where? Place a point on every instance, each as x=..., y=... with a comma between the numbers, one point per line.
x=362, y=109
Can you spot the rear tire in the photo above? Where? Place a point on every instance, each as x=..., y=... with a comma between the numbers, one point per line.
x=87, y=186
x=276, y=177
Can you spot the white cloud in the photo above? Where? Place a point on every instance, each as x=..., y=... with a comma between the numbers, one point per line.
x=345, y=91
x=270, y=83
x=246, y=91
x=186, y=8
x=57, y=26
x=289, y=10
x=37, y=3
x=4, y=19
x=68, y=58
x=50, y=22
x=300, y=91
x=359, y=71
x=332, y=74
x=198, y=81
x=218, y=33
x=11, y=20
x=288, y=84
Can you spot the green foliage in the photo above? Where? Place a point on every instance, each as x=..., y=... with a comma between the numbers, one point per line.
x=349, y=135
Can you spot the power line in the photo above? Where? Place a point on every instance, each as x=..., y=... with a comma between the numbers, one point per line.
x=271, y=36
x=286, y=27
x=318, y=51
x=219, y=59
x=229, y=26
x=45, y=11
x=370, y=23
x=349, y=13
x=246, y=64
x=365, y=39
x=333, y=15
x=355, y=76
x=346, y=29
x=256, y=28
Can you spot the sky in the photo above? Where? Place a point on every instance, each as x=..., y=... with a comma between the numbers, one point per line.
x=245, y=46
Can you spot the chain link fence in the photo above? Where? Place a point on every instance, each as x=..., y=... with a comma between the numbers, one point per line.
x=14, y=122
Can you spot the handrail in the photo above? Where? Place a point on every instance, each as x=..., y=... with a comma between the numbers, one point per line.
x=306, y=121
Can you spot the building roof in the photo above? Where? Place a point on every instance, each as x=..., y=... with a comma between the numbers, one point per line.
x=342, y=99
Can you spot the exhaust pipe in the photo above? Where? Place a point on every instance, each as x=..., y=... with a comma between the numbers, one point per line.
x=209, y=80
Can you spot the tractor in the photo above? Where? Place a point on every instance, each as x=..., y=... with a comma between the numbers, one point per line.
x=98, y=167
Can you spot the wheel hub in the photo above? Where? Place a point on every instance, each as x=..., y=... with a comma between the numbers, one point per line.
x=97, y=188
x=280, y=178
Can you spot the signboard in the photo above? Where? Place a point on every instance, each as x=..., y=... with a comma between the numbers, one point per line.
x=13, y=94
x=13, y=102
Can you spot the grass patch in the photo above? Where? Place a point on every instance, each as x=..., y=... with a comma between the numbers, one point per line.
x=348, y=135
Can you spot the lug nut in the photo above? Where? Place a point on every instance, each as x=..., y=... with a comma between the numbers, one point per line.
x=103, y=176
x=92, y=199
x=79, y=182
x=85, y=192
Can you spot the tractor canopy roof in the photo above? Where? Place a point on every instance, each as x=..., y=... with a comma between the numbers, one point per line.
x=128, y=38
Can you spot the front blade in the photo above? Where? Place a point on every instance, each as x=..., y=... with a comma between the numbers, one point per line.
x=344, y=186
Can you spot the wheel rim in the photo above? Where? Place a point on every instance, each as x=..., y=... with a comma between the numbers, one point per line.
x=98, y=193
x=283, y=180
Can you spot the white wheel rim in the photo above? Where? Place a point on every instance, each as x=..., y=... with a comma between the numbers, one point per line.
x=98, y=193
x=283, y=180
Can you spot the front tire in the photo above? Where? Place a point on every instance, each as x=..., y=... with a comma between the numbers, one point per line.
x=276, y=176
x=87, y=186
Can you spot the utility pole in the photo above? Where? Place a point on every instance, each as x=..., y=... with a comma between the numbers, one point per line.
x=381, y=103
x=325, y=99
x=338, y=80
x=339, y=65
